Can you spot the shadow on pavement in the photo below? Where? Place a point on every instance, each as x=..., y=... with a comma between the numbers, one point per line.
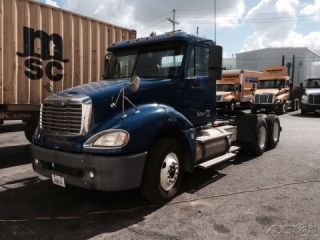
x=15, y=156
x=37, y=199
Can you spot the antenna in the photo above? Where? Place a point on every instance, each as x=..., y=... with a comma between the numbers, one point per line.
x=173, y=20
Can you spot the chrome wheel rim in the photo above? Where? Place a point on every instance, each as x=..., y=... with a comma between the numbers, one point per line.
x=284, y=108
x=276, y=131
x=262, y=137
x=233, y=106
x=169, y=171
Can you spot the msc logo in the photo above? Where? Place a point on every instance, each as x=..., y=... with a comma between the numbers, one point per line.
x=51, y=49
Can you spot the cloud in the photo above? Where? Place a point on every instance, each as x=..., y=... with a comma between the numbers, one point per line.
x=274, y=23
x=52, y=3
x=312, y=10
x=151, y=15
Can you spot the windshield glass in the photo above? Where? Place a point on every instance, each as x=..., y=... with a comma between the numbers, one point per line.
x=164, y=63
x=313, y=83
x=275, y=83
x=225, y=87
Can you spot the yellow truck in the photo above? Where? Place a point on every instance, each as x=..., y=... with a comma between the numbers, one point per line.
x=236, y=89
x=274, y=92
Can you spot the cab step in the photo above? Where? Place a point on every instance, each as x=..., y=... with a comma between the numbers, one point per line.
x=217, y=160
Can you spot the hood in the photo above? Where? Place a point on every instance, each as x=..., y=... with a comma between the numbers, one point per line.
x=312, y=91
x=267, y=90
x=105, y=92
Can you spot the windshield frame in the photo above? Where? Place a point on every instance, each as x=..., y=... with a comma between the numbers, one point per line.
x=226, y=84
x=180, y=46
x=272, y=80
x=309, y=83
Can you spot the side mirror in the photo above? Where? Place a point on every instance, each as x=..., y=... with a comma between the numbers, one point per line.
x=215, y=63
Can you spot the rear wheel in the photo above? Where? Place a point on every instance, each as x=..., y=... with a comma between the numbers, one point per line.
x=274, y=130
x=258, y=146
x=163, y=172
x=303, y=112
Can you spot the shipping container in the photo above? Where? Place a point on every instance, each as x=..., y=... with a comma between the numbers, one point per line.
x=44, y=50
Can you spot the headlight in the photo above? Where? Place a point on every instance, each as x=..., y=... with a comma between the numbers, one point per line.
x=278, y=101
x=304, y=99
x=108, y=139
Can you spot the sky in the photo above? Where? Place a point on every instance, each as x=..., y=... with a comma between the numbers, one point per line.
x=242, y=25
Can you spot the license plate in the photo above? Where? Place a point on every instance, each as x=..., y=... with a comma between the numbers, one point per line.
x=58, y=180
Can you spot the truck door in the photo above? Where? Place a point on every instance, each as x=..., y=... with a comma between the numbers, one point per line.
x=200, y=93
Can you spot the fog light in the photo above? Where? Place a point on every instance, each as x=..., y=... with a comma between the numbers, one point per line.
x=36, y=161
x=91, y=174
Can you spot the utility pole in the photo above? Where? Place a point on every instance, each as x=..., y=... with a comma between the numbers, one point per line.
x=197, y=30
x=215, y=22
x=173, y=20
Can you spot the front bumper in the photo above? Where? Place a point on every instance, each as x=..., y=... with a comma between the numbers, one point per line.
x=266, y=107
x=114, y=173
x=310, y=107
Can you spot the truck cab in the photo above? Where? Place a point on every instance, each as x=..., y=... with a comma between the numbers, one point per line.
x=236, y=89
x=310, y=101
x=152, y=118
x=272, y=92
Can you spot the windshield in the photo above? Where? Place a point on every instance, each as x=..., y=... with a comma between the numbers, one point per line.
x=275, y=83
x=164, y=63
x=225, y=87
x=313, y=83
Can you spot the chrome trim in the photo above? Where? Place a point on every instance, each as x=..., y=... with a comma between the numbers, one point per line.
x=61, y=101
x=268, y=98
x=89, y=143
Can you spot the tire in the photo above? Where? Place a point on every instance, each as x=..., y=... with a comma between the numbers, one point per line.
x=156, y=187
x=232, y=106
x=30, y=130
x=258, y=146
x=274, y=130
x=283, y=109
x=303, y=112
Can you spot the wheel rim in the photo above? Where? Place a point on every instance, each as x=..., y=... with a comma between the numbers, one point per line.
x=276, y=131
x=232, y=106
x=284, y=108
x=262, y=137
x=169, y=171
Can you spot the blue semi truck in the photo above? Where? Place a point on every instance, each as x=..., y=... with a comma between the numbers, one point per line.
x=152, y=118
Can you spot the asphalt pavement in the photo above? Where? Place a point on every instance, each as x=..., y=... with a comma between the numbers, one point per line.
x=275, y=196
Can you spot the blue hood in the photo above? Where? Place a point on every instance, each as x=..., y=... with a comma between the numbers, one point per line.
x=104, y=92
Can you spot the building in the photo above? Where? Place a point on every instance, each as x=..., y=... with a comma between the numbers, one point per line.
x=229, y=63
x=303, y=61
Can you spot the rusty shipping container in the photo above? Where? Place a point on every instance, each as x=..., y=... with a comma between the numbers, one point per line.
x=44, y=50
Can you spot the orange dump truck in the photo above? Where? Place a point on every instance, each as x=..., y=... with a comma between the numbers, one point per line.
x=236, y=88
x=274, y=92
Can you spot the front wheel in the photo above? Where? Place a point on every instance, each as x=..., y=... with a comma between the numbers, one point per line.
x=163, y=171
x=283, y=108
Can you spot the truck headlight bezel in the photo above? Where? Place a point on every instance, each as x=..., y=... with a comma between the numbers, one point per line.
x=109, y=139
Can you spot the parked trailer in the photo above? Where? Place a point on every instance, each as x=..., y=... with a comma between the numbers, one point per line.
x=44, y=50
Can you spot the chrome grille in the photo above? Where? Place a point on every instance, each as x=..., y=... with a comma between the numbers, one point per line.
x=66, y=115
x=66, y=119
x=314, y=99
x=264, y=98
